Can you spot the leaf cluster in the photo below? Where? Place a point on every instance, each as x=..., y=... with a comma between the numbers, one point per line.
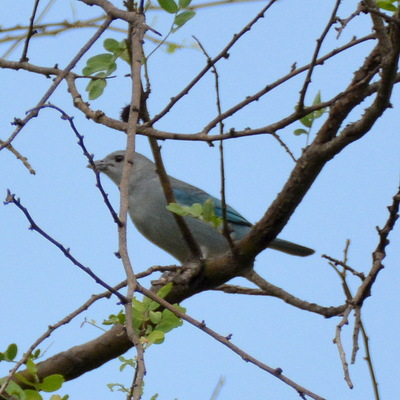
x=309, y=119
x=50, y=383
x=203, y=212
x=101, y=66
x=149, y=322
x=181, y=17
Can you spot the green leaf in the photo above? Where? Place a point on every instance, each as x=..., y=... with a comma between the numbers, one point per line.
x=115, y=319
x=208, y=210
x=139, y=305
x=196, y=210
x=183, y=17
x=111, y=45
x=156, y=337
x=51, y=383
x=300, y=131
x=184, y=3
x=155, y=316
x=317, y=98
x=177, y=209
x=11, y=352
x=36, y=354
x=164, y=290
x=387, y=5
x=169, y=6
x=31, y=366
x=13, y=389
x=96, y=88
x=32, y=395
x=100, y=62
x=307, y=120
x=168, y=322
x=139, y=318
x=172, y=47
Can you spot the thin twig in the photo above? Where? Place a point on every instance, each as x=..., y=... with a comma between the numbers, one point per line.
x=284, y=145
x=345, y=266
x=61, y=75
x=274, y=291
x=66, y=251
x=338, y=341
x=30, y=33
x=67, y=319
x=137, y=29
x=221, y=55
x=225, y=229
x=187, y=235
x=276, y=372
x=89, y=157
x=20, y=157
x=312, y=64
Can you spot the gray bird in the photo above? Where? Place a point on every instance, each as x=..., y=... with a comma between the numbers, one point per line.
x=147, y=209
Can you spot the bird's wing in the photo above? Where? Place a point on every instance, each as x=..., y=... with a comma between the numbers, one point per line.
x=189, y=195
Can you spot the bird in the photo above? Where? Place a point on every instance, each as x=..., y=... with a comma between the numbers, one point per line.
x=148, y=212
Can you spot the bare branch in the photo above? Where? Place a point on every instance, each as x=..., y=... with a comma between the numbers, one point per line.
x=276, y=372
x=60, y=76
x=66, y=251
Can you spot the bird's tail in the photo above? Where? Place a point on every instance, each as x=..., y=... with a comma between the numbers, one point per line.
x=291, y=248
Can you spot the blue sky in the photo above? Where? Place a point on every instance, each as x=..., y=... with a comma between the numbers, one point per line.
x=347, y=201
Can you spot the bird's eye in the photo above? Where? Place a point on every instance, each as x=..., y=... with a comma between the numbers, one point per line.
x=119, y=158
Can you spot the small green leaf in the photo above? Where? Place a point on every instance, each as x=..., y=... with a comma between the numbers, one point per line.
x=169, y=6
x=96, y=88
x=184, y=3
x=172, y=47
x=51, y=383
x=168, y=322
x=31, y=366
x=153, y=305
x=178, y=209
x=32, y=395
x=156, y=337
x=164, y=290
x=100, y=62
x=208, y=210
x=11, y=352
x=115, y=319
x=317, y=98
x=138, y=305
x=36, y=354
x=111, y=45
x=387, y=5
x=13, y=389
x=196, y=210
x=300, y=131
x=307, y=120
x=183, y=17
x=138, y=318
x=155, y=316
